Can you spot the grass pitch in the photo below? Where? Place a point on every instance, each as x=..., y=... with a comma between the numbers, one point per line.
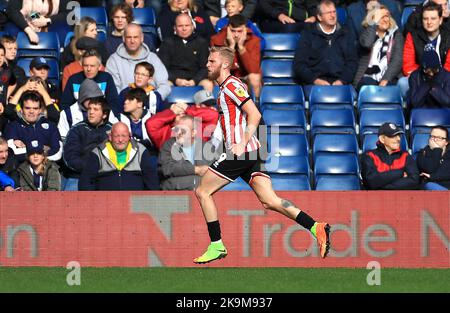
x=223, y=280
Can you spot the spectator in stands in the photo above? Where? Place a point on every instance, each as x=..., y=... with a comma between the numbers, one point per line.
x=247, y=46
x=38, y=173
x=326, y=54
x=91, y=63
x=33, y=125
x=82, y=45
x=7, y=85
x=122, y=15
x=83, y=138
x=159, y=126
x=166, y=19
x=415, y=22
x=417, y=39
x=119, y=164
x=39, y=86
x=10, y=44
x=183, y=159
x=281, y=16
x=215, y=10
x=6, y=182
x=358, y=13
x=8, y=165
x=39, y=67
x=429, y=84
x=381, y=43
x=388, y=167
x=185, y=55
x=433, y=161
x=35, y=16
x=78, y=112
x=234, y=7
x=131, y=52
x=143, y=76
x=86, y=28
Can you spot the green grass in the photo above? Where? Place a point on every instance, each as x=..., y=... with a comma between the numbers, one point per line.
x=181, y=280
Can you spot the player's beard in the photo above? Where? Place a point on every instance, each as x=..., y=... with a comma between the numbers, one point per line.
x=214, y=75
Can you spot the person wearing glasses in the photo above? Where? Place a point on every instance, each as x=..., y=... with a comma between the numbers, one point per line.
x=143, y=77
x=433, y=161
x=182, y=159
x=429, y=86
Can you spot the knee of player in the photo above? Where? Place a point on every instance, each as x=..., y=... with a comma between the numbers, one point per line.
x=270, y=205
x=201, y=193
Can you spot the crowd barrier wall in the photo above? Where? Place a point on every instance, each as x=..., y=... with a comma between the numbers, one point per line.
x=406, y=229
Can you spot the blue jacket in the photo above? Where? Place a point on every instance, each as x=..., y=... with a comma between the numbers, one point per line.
x=100, y=173
x=80, y=141
x=43, y=131
x=319, y=55
x=426, y=93
x=6, y=181
x=104, y=81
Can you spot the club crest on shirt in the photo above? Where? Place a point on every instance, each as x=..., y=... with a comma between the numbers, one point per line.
x=240, y=91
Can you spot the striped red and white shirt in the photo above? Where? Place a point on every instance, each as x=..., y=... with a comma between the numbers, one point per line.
x=232, y=96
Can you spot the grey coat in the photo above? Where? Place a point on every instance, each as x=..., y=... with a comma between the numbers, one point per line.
x=367, y=38
x=51, y=180
x=178, y=173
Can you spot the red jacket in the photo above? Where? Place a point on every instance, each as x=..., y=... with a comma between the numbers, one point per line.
x=159, y=126
x=250, y=60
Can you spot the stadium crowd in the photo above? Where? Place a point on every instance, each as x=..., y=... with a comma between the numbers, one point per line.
x=106, y=121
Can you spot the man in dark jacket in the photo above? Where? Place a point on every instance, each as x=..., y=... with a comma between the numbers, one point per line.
x=434, y=161
x=185, y=55
x=284, y=16
x=414, y=22
x=326, y=54
x=82, y=138
x=388, y=167
x=119, y=164
x=429, y=86
x=183, y=159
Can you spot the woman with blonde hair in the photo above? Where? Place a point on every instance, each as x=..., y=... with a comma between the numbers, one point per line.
x=38, y=173
x=166, y=19
x=381, y=44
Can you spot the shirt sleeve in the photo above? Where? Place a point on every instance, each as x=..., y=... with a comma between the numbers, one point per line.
x=237, y=92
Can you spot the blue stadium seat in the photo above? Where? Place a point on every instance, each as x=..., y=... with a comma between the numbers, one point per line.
x=277, y=72
x=422, y=120
x=101, y=36
x=376, y=97
x=370, y=120
x=419, y=142
x=294, y=118
x=325, y=144
x=238, y=185
x=48, y=47
x=407, y=10
x=183, y=94
x=98, y=14
x=331, y=97
x=407, y=3
x=370, y=142
x=282, y=143
x=289, y=173
x=341, y=15
x=53, y=74
x=290, y=96
x=336, y=172
x=332, y=121
x=280, y=46
x=146, y=18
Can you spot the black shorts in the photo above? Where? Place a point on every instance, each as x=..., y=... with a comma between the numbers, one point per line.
x=230, y=167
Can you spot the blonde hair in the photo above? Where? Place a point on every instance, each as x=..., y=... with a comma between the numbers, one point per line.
x=79, y=31
x=225, y=52
x=192, y=5
x=366, y=22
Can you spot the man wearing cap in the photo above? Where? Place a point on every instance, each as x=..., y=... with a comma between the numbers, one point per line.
x=91, y=63
x=183, y=159
x=159, y=126
x=77, y=112
x=39, y=67
x=388, y=167
x=429, y=86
